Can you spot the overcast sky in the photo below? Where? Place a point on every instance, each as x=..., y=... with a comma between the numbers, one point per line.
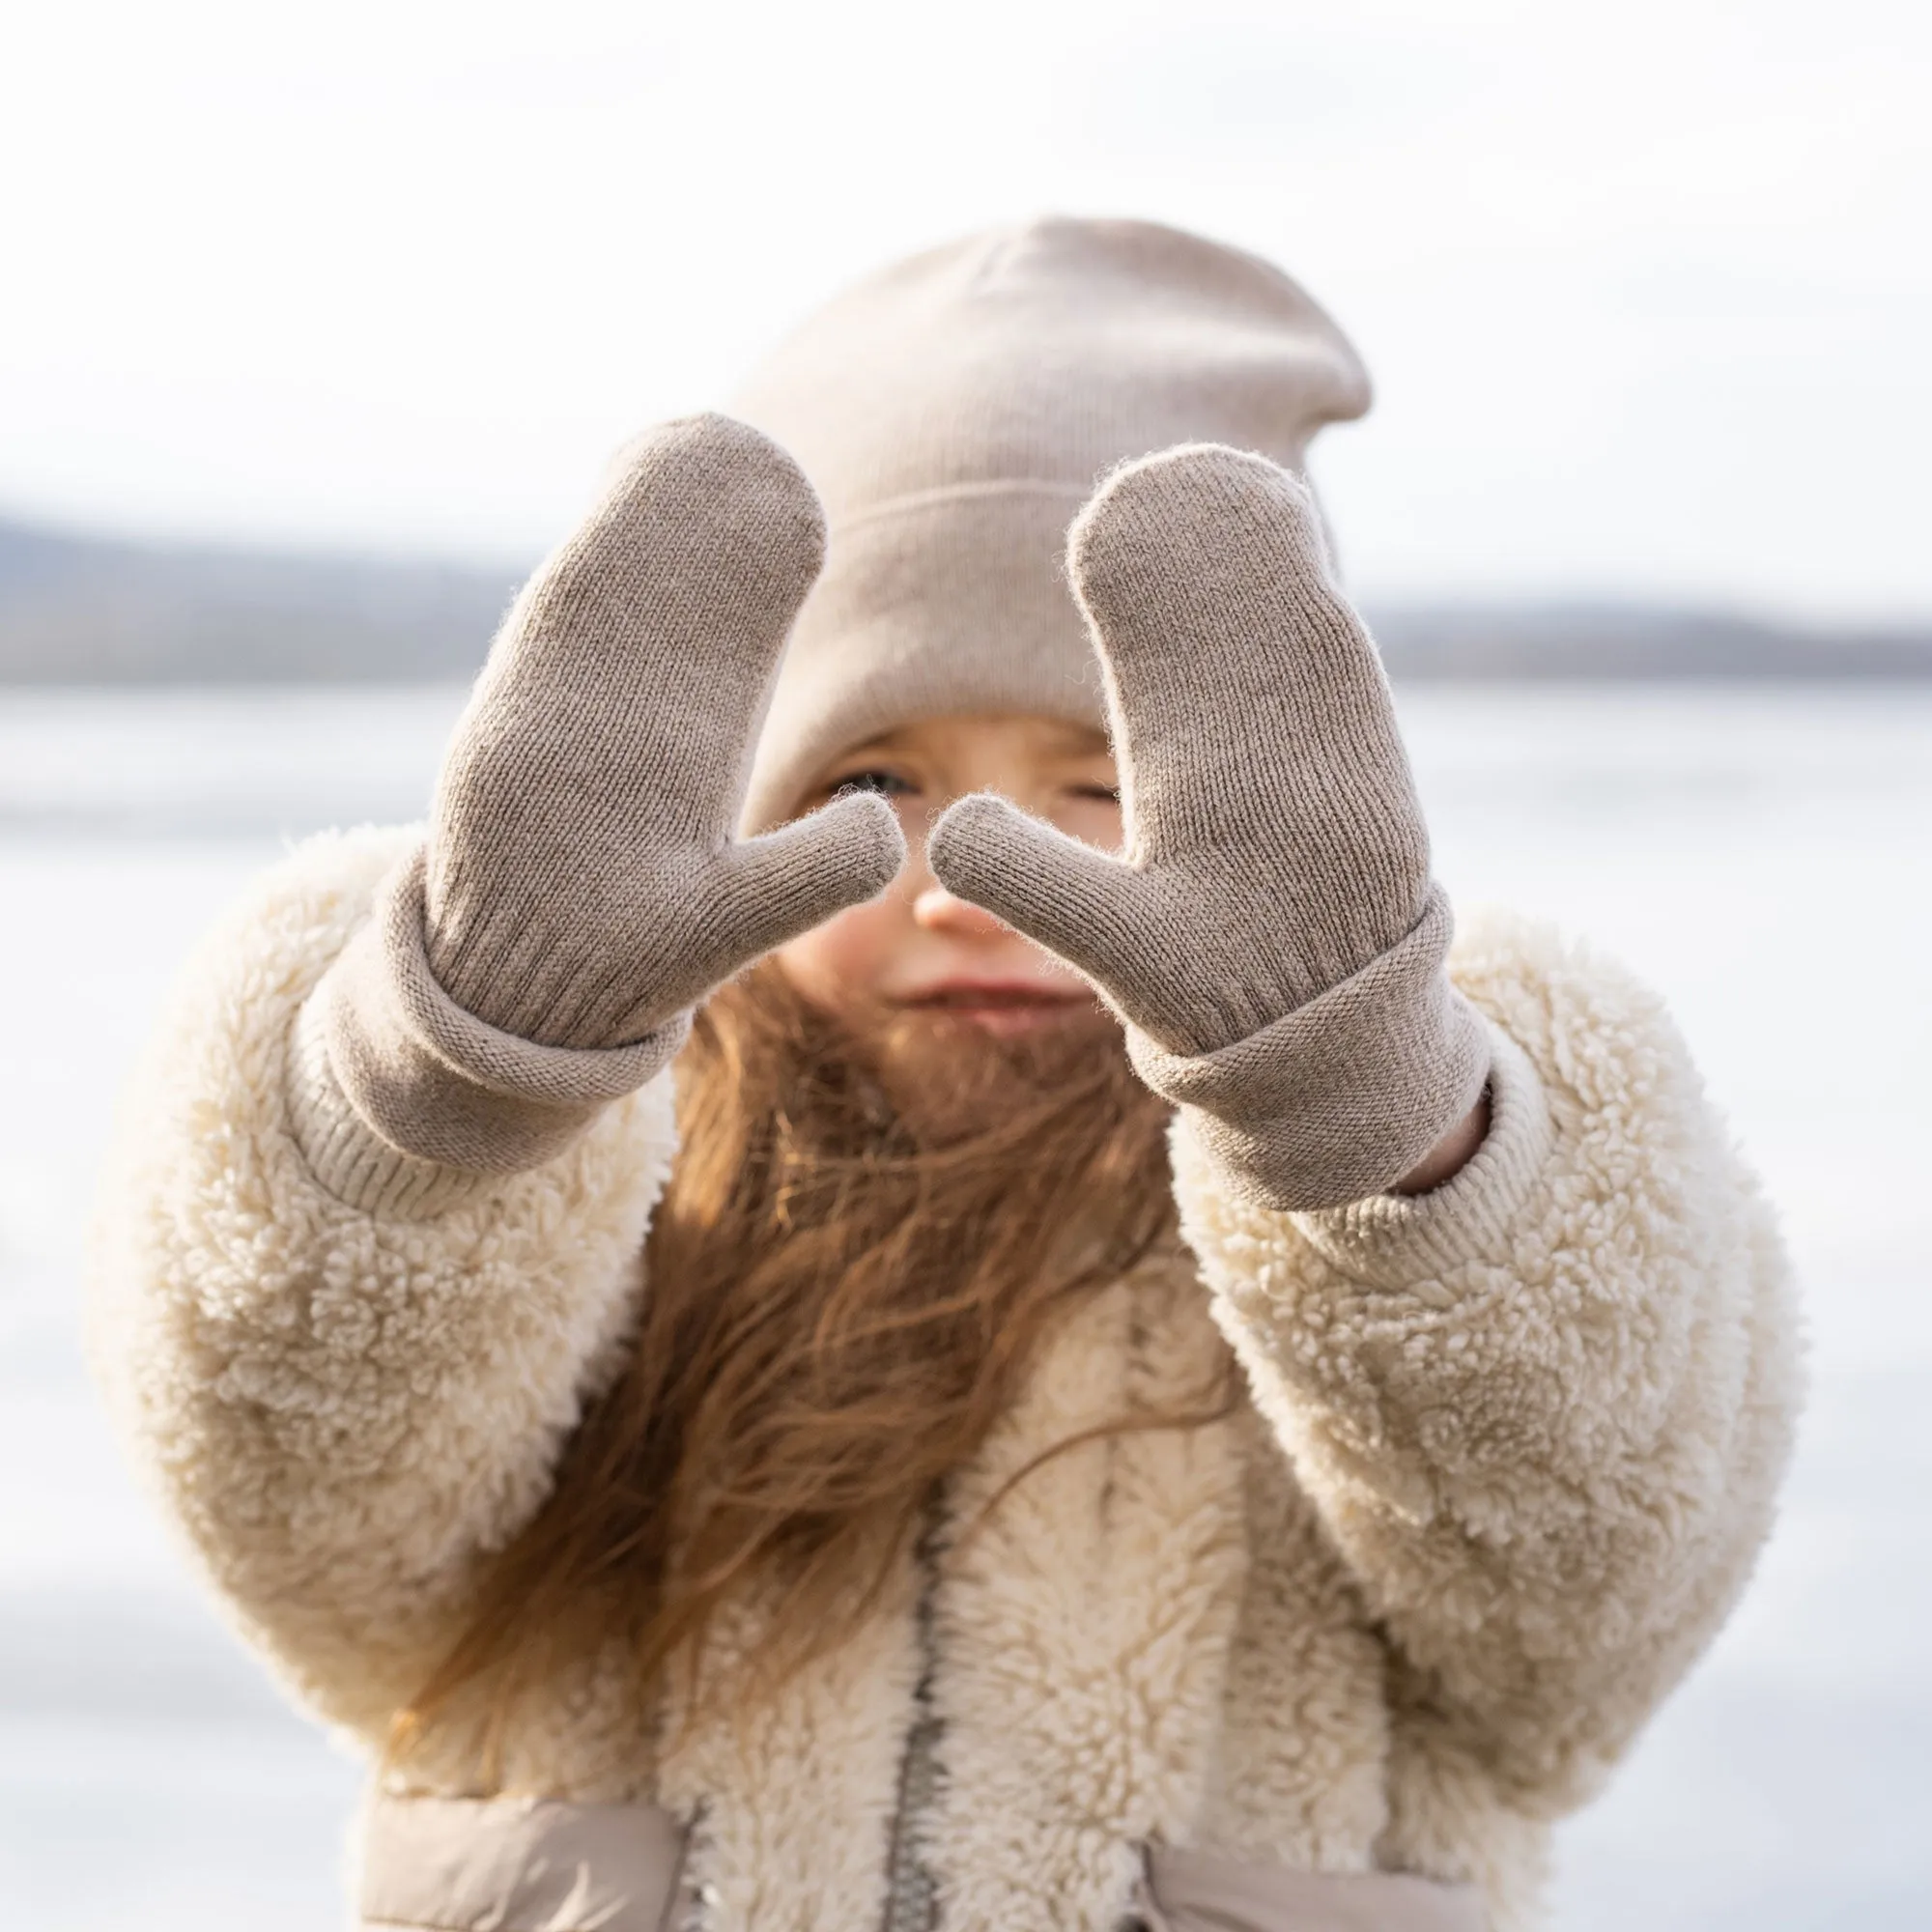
x=1645, y=287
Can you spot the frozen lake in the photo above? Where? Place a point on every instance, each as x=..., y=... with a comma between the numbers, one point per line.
x=1765, y=856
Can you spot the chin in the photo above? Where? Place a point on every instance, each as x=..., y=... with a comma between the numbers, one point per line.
x=1013, y=1022
x=1029, y=1036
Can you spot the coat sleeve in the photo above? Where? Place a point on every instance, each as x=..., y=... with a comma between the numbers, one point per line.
x=342, y=1406
x=1542, y=1410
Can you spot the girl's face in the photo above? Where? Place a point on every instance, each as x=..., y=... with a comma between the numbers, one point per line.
x=918, y=948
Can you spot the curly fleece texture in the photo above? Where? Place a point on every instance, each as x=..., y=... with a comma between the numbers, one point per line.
x=1509, y=1451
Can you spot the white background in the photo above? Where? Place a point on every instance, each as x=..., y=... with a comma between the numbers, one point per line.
x=1645, y=287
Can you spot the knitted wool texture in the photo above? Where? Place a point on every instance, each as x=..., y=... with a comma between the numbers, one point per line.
x=579, y=889
x=957, y=410
x=1270, y=935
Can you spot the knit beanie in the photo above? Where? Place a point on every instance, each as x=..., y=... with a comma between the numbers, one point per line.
x=957, y=410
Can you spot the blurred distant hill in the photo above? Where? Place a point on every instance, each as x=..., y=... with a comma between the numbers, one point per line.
x=1633, y=641
x=83, y=609
x=78, y=610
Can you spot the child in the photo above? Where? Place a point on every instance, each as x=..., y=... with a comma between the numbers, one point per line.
x=1249, y=1453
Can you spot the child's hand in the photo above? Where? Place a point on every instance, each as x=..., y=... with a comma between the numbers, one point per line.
x=1272, y=935
x=581, y=885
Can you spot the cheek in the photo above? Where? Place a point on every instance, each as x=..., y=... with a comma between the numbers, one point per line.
x=845, y=960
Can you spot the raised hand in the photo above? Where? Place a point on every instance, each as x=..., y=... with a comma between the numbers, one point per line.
x=580, y=888
x=1270, y=934
x=583, y=884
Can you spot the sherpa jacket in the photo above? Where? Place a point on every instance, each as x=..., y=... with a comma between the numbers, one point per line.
x=1506, y=1453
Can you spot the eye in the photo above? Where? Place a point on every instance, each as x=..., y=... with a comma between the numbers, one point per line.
x=1101, y=794
x=876, y=779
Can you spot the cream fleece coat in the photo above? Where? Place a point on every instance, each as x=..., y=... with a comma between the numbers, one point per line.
x=1507, y=1454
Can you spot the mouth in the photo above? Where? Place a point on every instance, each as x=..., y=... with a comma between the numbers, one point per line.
x=1000, y=1006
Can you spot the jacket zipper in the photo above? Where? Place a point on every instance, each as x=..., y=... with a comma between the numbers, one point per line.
x=909, y=1896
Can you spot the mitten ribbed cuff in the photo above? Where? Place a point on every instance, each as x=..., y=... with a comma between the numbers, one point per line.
x=388, y=1064
x=1395, y=1241
x=350, y=1159
x=1342, y=1096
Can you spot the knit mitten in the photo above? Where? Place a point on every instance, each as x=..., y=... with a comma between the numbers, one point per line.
x=1270, y=936
x=579, y=889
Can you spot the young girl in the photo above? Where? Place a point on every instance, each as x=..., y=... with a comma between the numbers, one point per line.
x=1246, y=1451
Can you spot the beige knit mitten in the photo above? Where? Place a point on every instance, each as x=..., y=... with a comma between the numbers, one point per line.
x=580, y=889
x=1272, y=936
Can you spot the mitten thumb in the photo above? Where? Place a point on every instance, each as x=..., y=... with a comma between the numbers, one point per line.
x=1075, y=901
x=772, y=888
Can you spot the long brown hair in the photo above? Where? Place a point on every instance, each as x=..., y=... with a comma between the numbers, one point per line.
x=862, y=1243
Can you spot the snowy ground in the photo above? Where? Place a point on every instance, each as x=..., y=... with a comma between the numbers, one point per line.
x=1763, y=856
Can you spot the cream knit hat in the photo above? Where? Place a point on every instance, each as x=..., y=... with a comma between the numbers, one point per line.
x=954, y=411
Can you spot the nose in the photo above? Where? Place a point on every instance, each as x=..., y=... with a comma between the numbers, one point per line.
x=934, y=909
